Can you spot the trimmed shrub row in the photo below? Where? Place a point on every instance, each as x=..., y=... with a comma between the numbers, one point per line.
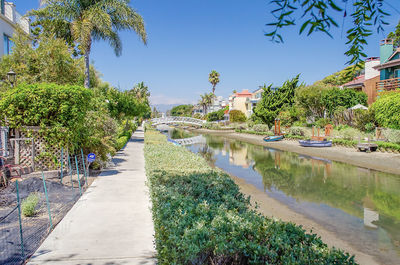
x=200, y=217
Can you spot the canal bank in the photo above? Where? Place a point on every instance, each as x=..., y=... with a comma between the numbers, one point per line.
x=385, y=162
x=350, y=207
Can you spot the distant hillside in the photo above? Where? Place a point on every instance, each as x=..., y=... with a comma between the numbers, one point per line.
x=164, y=107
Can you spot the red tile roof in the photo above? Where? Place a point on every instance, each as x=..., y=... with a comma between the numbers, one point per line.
x=359, y=80
x=244, y=93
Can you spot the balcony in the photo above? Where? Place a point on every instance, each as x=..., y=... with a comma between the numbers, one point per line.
x=16, y=18
x=388, y=85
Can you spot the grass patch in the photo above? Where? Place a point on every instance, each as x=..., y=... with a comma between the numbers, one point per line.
x=28, y=205
x=200, y=217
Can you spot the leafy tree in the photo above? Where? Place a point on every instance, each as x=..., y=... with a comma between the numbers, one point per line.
x=85, y=21
x=237, y=116
x=61, y=109
x=182, y=110
x=395, y=35
x=317, y=16
x=336, y=97
x=48, y=61
x=310, y=98
x=273, y=100
x=341, y=77
x=387, y=109
x=123, y=105
x=213, y=78
x=217, y=115
x=141, y=92
x=205, y=101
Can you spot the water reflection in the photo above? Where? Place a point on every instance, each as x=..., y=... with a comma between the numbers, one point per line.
x=361, y=206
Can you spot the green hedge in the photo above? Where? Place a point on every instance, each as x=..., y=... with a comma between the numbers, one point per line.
x=200, y=217
x=237, y=116
x=387, y=109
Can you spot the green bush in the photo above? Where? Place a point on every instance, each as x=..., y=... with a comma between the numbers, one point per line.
x=298, y=131
x=364, y=120
x=387, y=109
x=200, y=217
x=28, y=205
x=237, y=116
x=321, y=123
x=61, y=109
x=216, y=115
x=334, y=98
x=182, y=110
x=350, y=134
x=260, y=128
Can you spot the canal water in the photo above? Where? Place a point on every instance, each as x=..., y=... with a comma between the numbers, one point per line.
x=360, y=206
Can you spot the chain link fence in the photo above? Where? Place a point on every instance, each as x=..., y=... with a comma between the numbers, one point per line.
x=31, y=205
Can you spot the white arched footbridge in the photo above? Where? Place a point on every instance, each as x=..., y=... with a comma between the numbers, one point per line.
x=171, y=120
x=192, y=140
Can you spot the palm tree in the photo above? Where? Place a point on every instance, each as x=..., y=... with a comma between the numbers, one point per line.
x=93, y=20
x=206, y=101
x=213, y=78
x=141, y=91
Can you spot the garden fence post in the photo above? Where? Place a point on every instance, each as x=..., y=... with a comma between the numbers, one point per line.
x=77, y=172
x=84, y=167
x=62, y=163
x=47, y=202
x=70, y=170
x=20, y=221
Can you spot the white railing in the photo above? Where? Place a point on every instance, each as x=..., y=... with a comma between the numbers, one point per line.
x=15, y=17
x=169, y=120
x=189, y=141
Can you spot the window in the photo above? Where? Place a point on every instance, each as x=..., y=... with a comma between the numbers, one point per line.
x=2, y=7
x=397, y=73
x=7, y=44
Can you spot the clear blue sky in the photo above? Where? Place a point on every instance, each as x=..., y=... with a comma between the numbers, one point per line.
x=189, y=38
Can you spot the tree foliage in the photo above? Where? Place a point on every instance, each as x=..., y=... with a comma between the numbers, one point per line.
x=85, y=21
x=336, y=97
x=217, y=115
x=273, y=100
x=49, y=61
x=387, y=109
x=318, y=16
x=182, y=110
x=341, y=77
x=237, y=116
x=395, y=36
x=60, y=109
x=213, y=78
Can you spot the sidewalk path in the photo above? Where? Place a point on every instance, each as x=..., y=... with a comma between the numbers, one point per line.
x=111, y=223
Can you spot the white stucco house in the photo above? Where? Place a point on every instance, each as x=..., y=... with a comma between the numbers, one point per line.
x=10, y=19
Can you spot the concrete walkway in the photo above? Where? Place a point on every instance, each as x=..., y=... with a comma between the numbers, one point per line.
x=111, y=223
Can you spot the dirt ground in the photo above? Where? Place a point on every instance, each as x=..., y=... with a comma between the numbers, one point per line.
x=62, y=196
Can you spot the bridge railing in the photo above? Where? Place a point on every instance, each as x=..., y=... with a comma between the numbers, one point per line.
x=173, y=119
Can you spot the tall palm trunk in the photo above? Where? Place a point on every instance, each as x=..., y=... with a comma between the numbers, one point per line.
x=87, y=65
x=87, y=70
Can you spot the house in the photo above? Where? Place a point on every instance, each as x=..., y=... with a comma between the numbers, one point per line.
x=10, y=19
x=238, y=101
x=389, y=67
x=217, y=103
x=253, y=101
x=366, y=82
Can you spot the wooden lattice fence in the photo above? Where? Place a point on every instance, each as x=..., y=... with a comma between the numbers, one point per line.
x=31, y=150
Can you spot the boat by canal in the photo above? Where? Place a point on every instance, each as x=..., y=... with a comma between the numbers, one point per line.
x=313, y=143
x=273, y=138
